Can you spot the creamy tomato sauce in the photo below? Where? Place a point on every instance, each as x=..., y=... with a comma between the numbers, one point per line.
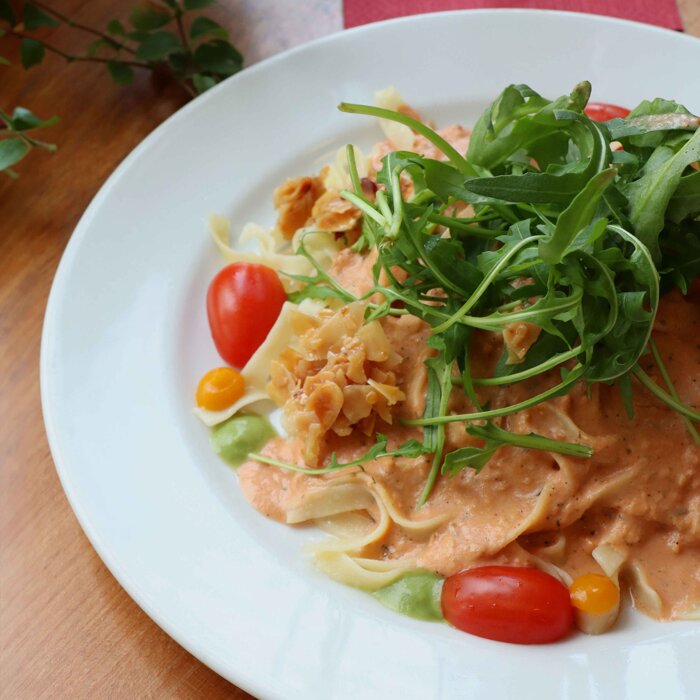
x=639, y=492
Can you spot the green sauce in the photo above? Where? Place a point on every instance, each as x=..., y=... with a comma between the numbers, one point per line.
x=416, y=594
x=240, y=435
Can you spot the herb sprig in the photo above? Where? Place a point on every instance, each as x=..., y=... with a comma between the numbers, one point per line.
x=410, y=448
x=159, y=36
x=168, y=38
x=17, y=137
x=566, y=233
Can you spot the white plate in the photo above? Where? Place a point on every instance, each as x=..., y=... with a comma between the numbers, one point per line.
x=126, y=339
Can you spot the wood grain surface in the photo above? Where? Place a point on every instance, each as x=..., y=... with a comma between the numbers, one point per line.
x=67, y=629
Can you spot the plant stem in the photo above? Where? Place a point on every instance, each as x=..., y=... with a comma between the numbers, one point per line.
x=77, y=25
x=660, y=394
x=446, y=390
x=294, y=467
x=573, y=377
x=438, y=141
x=671, y=388
x=181, y=30
x=483, y=286
x=33, y=142
x=551, y=363
x=73, y=58
x=186, y=87
x=465, y=225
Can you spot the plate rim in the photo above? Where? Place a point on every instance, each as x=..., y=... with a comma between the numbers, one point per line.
x=249, y=683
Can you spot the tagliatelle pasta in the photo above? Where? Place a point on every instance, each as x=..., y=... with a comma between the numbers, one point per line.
x=470, y=378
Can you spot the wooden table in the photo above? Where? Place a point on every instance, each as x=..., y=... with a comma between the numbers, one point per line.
x=67, y=629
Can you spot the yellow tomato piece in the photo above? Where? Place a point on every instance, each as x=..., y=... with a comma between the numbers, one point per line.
x=220, y=388
x=594, y=593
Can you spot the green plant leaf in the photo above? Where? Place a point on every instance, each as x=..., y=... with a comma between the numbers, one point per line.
x=637, y=283
x=12, y=151
x=198, y=4
x=410, y=448
x=536, y=170
x=121, y=73
x=116, y=28
x=517, y=119
x=4, y=61
x=218, y=56
x=650, y=195
x=138, y=37
x=575, y=217
x=34, y=17
x=31, y=53
x=203, y=26
x=624, y=128
x=158, y=46
x=202, y=83
x=475, y=458
x=144, y=18
x=23, y=120
x=494, y=438
x=7, y=13
x=96, y=46
x=686, y=199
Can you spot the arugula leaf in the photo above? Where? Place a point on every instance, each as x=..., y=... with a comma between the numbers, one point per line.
x=560, y=185
x=410, y=448
x=558, y=237
x=637, y=126
x=686, y=199
x=439, y=389
x=575, y=217
x=671, y=388
x=667, y=398
x=321, y=285
x=494, y=438
x=438, y=141
x=680, y=249
x=649, y=196
x=518, y=118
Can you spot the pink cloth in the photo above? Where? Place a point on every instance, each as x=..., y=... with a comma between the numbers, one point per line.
x=663, y=13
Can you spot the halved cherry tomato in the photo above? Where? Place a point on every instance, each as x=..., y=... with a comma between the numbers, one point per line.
x=220, y=388
x=601, y=112
x=594, y=593
x=508, y=604
x=243, y=303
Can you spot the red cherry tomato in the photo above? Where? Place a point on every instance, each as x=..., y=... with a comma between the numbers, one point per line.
x=243, y=303
x=601, y=112
x=508, y=604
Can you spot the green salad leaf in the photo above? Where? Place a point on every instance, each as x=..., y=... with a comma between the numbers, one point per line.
x=544, y=220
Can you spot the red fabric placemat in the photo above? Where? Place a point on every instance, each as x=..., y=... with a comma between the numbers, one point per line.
x=663, y=13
